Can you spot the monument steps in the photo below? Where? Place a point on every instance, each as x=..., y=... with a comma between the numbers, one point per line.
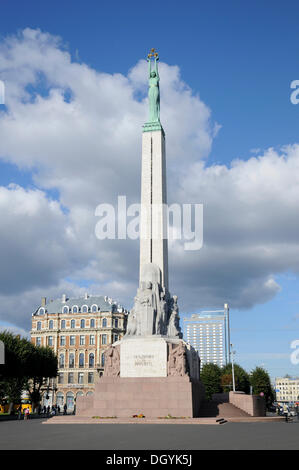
x=217, y=409
x=71, y=419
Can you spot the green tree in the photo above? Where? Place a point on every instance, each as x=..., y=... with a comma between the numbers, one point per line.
x=261, y=383
x=14, y=371
x=26, y=367
x=242, y=381
x=211, y=377
x=43, y=365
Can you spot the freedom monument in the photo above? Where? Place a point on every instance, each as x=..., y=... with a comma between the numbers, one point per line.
x=151, y=370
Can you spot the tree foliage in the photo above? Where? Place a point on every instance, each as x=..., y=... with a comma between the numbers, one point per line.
x=242, y=381
x=26, y=367
x=211, y=378
x=261, y=383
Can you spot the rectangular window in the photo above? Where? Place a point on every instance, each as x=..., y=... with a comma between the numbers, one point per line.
x=82, y=340
x=92, y=339
x=62, y=340
x=60, y=378
x=70, y=378
x=90, y=377
x=72, y=340
x=38, y=341
x=80, y=378
x=50, y=340
x=104, y=339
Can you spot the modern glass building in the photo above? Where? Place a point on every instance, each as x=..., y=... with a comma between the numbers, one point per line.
x=208, y=333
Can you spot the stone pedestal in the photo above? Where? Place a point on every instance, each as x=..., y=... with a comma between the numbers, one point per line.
x=153, y=375
x=152, y=396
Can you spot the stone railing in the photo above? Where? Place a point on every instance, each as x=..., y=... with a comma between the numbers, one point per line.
x=254, y=405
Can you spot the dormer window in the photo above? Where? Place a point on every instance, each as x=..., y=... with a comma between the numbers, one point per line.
x=84, y=309
x=65, y=309
x=94, y=308
x=75, y=309
x=41, y=311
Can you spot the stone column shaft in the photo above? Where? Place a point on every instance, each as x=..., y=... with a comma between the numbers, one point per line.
x=153, y=227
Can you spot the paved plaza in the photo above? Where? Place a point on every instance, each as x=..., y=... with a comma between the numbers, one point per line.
x=34, y=435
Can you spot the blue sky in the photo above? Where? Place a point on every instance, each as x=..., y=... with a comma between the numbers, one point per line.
x=239, y=58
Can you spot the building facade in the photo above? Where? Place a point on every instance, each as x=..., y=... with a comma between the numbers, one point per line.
x=208, y=333
x=287, y=390
x=79, y=330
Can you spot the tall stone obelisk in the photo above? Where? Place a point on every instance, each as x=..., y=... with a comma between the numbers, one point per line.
x=151, y=369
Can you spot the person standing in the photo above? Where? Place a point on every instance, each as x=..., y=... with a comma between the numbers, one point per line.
x=286, y=411
x=27, y=413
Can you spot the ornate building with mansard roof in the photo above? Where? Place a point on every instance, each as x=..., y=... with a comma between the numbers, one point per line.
x=79, y=330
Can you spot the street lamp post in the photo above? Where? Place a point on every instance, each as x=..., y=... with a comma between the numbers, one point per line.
x=233, y=369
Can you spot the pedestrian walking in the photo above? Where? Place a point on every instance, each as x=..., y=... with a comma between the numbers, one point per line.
x=27, y=413
x=20, y=412
x=64, y=409
x=286, y=411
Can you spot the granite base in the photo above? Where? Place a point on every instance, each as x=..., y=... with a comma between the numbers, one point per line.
x=151, y=396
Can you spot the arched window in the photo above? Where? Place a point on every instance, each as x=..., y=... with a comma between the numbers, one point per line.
x=71, y=360
x=61, y=361
x=62, y=324
x=70, y=400
x=41, y=311
x=92, y=323
x=81, y=360
x=65, y=309
x=103, y=359
x=73, y=323
x=75, y=309
x=39, y=325
x=91, y=360
x=51, y=325
x=82, y=323
x=94, y=308
x=59, y=399
x=84, y=309
x=104, y=323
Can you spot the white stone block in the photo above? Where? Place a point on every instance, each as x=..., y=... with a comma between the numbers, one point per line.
x=143, y=357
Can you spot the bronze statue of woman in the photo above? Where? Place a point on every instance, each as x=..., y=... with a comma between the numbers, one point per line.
x=154, y=91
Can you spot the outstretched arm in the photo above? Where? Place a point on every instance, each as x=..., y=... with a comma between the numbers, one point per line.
x=149, y=68
x=156, y=68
